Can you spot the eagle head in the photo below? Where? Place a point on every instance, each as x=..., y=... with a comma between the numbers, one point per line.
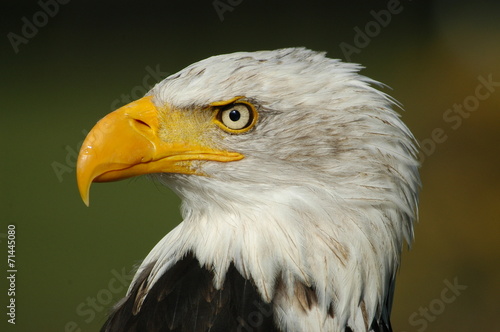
x=299, y=186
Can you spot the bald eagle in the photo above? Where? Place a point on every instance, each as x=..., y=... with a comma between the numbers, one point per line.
x=299, y=186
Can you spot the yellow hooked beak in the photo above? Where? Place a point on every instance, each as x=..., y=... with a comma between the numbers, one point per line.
x=127, y=143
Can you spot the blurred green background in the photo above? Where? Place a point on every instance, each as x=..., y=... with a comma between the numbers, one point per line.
x=86, y=58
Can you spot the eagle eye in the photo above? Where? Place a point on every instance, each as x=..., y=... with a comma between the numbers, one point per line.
x=236, y=117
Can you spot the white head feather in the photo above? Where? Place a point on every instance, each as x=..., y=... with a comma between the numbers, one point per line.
x=326, y=194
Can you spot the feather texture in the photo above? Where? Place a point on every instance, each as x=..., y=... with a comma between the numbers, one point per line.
x=184, y=299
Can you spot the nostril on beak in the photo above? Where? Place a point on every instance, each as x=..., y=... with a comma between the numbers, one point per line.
x=140, y=122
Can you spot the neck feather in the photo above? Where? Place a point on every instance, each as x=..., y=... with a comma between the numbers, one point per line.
x=346, y=253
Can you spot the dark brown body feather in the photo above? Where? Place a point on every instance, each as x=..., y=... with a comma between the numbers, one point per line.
x=185, y=300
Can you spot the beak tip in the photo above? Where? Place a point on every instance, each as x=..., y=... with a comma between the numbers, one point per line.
x=84, y=189
x=85, y=197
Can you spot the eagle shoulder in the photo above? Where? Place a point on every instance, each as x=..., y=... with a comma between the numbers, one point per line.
x=184, y=299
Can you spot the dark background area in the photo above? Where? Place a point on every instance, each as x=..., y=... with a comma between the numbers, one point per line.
x=89, y=57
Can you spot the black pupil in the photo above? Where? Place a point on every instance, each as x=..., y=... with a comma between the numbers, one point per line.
x=234, y=115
